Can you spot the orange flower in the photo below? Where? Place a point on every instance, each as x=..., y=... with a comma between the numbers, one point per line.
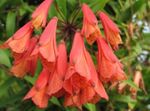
x=39, y=16
x=38, y=93
x=80, y=91
x=138, y=81
x=90, y=27
x=48, y=46
x=81, y=80
x=121, y=87
x=24, y=62
x=19, y=41
x=109, y=67
x=56, y=79
x=111, y=31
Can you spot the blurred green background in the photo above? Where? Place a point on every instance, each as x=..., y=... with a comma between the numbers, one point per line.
x=133, y=19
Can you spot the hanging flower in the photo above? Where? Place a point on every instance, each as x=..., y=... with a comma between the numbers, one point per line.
x=39, y=16
x=24, y=63
x=55, y=85
x=111, y=31
x=109, y=67
x=47, y=47
x=38, y=93
x=47, y=42
x=19, y=41
x=77, y=81
x=138, y=81
x=90, y=27
x=81, y=81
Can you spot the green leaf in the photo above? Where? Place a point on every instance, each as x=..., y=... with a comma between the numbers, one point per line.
x=131, y=83
x=37, y=109
x=5, y=86
x=137, y=49
x=132, y=104
x=31, y=79
x=11, y=99
x=25, y=8
x=145, y=39
x=72, y=2
x=10, y=23
x=4, y=58
x=71, y=109
x=86, y=1
x=127, y=14
x=2, y=3
x=96, y=5
x=123, y=98
x=52, y=12
x=62, y=6
x=55, y=101
x=90, y=107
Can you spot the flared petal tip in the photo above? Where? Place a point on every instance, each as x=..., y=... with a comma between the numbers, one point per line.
x=55, y=18
x=25, y=98
x=84, y=5
x=88, y=14
x=100, y=13
x=41, y=105
x=124, y=77
x=106, y=97
x=103, y=16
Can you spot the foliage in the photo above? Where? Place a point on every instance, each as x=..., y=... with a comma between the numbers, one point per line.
x=132, y=17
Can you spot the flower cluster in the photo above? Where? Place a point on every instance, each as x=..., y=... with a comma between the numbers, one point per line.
x=76, y=79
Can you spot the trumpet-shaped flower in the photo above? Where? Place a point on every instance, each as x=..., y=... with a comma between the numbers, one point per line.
x=56, y=79
x=81, y=80
x=24, y=63
x=90, y=27
x=39, y=16
x=19, y=41
x=47, y=42
x=47, y=47
x=111, y=31
x=38, y=93
x=109, y=67
x=139, y=82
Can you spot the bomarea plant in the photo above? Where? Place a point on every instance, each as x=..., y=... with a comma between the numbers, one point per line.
x=69, y=74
